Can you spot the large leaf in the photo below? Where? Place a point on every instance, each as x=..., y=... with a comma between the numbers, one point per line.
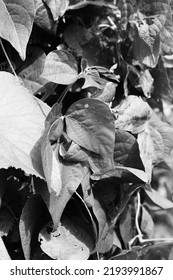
x=68, y=242
x=31, y=221
x=89, y=123
x=60, y=67
x=16, y=21
x=22, y=123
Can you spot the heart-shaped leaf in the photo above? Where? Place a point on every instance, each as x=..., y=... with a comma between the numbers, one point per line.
x=16, y=21
x=60, y=67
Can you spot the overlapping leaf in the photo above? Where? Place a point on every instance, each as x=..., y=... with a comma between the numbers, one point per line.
x=16, y=21
x=60, y=67
x=68, y=242
x=57, y=7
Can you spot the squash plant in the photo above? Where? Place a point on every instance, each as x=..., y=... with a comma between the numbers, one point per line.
x=86, y=129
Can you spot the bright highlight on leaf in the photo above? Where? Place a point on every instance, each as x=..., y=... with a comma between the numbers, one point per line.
x=16, y=21
x=21, y=126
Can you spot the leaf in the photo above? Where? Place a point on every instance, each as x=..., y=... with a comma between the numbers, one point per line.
x=6, y=222
x=108, y=93
x=166, y=132
x=3, y=251
x=34, y=215
x=126, y=150
x=159, y=200
x=105, y=234
x=57, y=7
x=16, y=21
x=151, y=148
x=146, y=82
x=147, y=224
x=50, y=162
x=90, y=124
x=146, y=47
x=163, y=8
x=126, y=255
x=127, y=8
x=44, y=18
x=60, y=67
x=31, y=71
x=162, y=83
x=68, y=242
x=22, y=122
x=131, y=114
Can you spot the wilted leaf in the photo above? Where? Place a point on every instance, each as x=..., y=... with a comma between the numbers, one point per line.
x=89, y=123
x=131, y=114
x=34, y=215
x=57, y=7
x=68, y=242
x=60, y=67
x=22, y=123
x=3, y=251
x=159, y=200
x=16, y=21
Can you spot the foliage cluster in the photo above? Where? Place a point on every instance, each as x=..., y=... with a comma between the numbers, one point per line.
x=86, y=163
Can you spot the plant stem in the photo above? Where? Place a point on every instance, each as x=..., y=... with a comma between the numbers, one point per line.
x=6, y=55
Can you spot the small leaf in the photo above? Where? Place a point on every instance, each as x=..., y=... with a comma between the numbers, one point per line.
x=57, y=7
x=68, y=242
x=16, y=21
x=22, y=122
x=60, y=67
x=89, y=123
x=131, y=114
x=159, y=200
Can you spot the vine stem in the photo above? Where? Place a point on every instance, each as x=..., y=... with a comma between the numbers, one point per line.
x=6, y=55
x=87, y=2
x=139, y=235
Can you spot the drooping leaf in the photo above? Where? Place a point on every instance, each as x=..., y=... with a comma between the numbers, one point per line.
x=68, y=242
x=131, y=114
x=22, y=122
x=89, y=123
x=57, y=7
x=50, y=161
x=3, y=251
x=159, y=200
x=16, y=21
x=60, y=67
x=34, y=215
